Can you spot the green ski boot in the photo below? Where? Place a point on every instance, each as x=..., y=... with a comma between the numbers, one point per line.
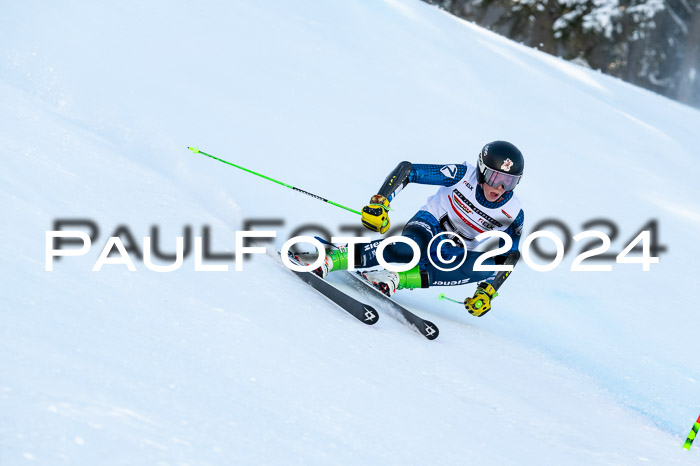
x=388, y=282
x=336, y=259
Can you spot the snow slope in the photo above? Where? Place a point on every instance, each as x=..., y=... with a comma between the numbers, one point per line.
x=99, y=103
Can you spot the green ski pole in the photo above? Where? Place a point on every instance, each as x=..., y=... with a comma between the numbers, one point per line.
x=442, y=297
x=197, y=151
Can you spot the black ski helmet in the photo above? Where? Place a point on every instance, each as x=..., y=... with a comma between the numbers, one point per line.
x=500, y=163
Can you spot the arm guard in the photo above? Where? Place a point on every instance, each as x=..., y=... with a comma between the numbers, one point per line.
x=406, y=172
x=396, y=180
x=501, y=276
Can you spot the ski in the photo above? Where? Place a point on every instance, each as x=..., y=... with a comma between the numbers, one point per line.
x=426, y=328
x=361, y=311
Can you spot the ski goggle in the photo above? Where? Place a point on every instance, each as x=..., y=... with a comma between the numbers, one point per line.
x=495, y=178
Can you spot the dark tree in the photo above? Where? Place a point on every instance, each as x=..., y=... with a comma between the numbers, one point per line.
x=651, y=43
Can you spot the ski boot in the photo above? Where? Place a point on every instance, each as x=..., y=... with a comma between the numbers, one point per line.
x=336, y=259
x=388, y=282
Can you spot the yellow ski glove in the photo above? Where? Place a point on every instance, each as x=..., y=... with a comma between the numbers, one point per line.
x=375, y=215
x=480, y=303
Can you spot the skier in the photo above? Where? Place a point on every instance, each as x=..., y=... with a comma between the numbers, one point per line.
x=472, y=200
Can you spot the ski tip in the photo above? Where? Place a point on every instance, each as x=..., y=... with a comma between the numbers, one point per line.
x=441, y=296
x=371, y=315
x=194, y=149
x=429, y=330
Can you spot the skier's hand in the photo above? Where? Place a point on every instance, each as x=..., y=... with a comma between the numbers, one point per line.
x=480, y=303
x=375, y=215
